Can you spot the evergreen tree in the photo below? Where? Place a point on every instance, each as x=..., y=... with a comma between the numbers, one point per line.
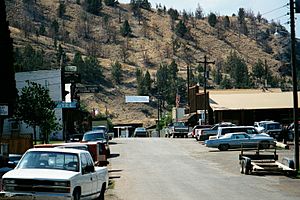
x=225, y=83
x=174, y=14
x=147, y=83
x=258, y=70
x=93, y=6
x=125, y=29
x=180, y=29
x=199, y=12
x=116, y=72
x=91, y=72
x=226, y=22
x=42, y=30
x=77, y=60
x=238, y=70
x=111, y=3
x=61, y=9
x=7, y=73
x=212, y=19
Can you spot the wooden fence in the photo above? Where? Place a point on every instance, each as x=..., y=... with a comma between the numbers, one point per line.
x=18, y=144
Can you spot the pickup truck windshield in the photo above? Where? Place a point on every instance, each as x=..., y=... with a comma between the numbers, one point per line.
x=50, y=160
x=180, y=124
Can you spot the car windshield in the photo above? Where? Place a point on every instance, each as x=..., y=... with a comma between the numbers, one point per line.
x=50, y=160
x=94, y=136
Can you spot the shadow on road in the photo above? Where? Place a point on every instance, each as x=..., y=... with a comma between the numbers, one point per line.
x=115, y=170
x=114, y=155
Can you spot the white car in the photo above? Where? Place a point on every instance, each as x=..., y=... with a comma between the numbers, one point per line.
x=55, y=173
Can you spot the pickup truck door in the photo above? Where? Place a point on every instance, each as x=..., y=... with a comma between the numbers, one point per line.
x=95, y=187
x=86, y=181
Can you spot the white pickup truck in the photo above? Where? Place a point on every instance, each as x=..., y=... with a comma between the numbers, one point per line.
x=54, y=173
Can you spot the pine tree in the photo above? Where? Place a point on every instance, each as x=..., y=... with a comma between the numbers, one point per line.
x=61, y=9
x=199, y=12
x=93, y=6
x=116, y=72
x=7, y=73
x=212, y=19
x=125, y=29
x=180, y=29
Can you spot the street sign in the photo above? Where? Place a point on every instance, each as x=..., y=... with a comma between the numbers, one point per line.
x=137, y=99
x=70, y=69
x=63, y=104
x=3, y=110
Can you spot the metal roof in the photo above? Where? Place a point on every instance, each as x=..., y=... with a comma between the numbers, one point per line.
x=251, y=101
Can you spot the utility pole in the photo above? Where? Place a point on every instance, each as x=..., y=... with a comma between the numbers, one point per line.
x=205, y=62
x=295, y=91
x=188, y=85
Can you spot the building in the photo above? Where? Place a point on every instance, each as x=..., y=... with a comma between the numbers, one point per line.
x=244, y=107
x=47, y=78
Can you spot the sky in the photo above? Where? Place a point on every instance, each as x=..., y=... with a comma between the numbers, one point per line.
x=270, y=9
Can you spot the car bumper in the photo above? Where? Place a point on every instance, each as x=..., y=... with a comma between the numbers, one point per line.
x=34, y=196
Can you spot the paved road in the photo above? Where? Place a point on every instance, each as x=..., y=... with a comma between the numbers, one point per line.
x=183, y=169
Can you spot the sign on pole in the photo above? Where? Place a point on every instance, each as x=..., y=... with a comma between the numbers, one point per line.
x=137, y=99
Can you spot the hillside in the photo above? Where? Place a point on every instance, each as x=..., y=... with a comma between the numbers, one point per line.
x=152, y=43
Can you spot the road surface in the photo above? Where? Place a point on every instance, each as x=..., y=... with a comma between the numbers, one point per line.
x=183, y=169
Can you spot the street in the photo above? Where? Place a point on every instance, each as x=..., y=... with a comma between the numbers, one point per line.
x=164, y=168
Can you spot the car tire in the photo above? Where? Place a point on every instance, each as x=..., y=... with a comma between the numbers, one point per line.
x=76, y=194
x=223, y=147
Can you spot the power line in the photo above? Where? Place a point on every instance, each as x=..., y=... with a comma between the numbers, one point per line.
x=275, y=9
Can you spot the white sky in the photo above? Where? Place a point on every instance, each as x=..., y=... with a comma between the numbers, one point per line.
x=228, y=7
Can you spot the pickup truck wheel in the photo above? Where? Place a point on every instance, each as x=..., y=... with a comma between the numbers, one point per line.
x=223, y=147
x=242, y=167
x=76, y=195
x=101, y=197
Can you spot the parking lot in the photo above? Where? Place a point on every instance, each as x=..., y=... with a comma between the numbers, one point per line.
x=177, y=168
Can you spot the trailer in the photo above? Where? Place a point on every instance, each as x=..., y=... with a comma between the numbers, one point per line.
x=265, y=160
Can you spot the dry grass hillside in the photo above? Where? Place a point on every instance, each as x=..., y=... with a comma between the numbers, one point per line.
x=151, y=45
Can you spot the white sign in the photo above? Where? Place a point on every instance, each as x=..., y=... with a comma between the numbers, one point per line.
x=137, y=99
x=3, y=110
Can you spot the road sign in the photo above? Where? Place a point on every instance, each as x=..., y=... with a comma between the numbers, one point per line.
x=63, y=104
x=137, y=99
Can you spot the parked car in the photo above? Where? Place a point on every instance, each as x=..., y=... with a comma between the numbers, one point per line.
x=193, y=133
x=104, y=129
x=272, y=128
x=179, y=129
x=53, y=173
x=140, y=132
x=239, y=139
x=291, y=131
x=97, y=135
x=205, y=133
x=234, y=129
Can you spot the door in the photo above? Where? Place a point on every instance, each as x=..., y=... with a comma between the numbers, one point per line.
x=86, y=181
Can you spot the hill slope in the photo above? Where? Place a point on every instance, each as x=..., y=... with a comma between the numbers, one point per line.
x=153, y=42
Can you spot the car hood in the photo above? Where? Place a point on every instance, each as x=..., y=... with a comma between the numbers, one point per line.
x=40, y=174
